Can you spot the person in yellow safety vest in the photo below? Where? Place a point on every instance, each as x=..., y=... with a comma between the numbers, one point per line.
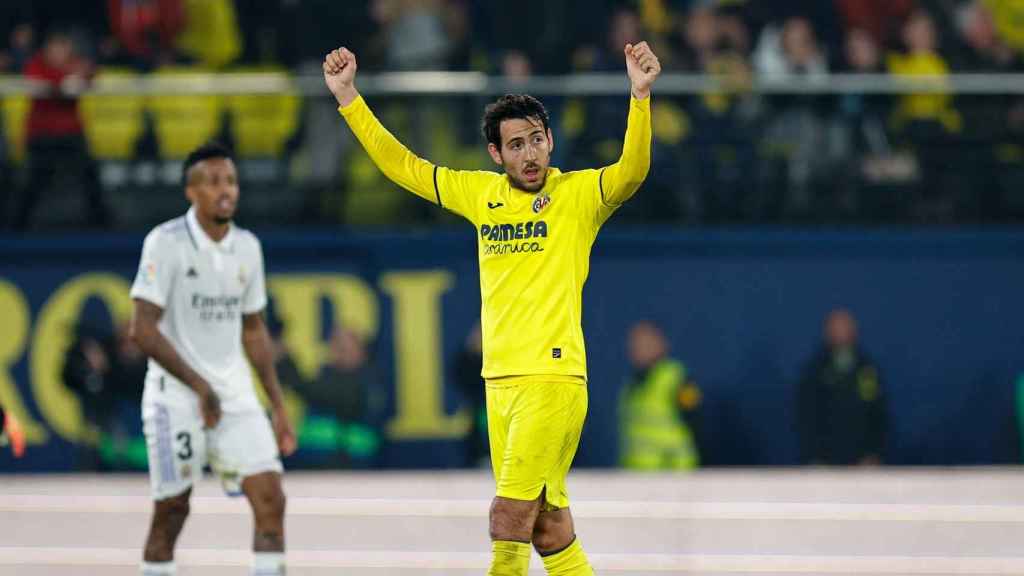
x=654, y=406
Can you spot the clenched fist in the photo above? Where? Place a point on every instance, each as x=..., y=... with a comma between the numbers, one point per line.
x=340, y=73
x=643, y=67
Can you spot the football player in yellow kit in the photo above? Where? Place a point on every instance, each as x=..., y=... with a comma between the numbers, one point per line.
x=535, y=227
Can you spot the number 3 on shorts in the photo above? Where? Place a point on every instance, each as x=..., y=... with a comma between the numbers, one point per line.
x=185, y=445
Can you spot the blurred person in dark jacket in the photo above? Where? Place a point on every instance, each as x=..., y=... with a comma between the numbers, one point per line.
x=658, y=409
x=348, y=389
x=468, y=365
x=842, y=414
x=106, y=373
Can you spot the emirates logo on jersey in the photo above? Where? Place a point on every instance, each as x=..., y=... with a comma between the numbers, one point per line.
x=540, y=203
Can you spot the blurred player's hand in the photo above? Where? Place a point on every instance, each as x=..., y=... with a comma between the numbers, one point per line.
x=286, y=441
x=643, y=67
x=209, y=404
x=12, y=429
x=340, y=74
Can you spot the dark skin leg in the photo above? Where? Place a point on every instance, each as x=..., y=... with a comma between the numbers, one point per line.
x=513, y=520
x=553, y=531
x=168, y=519
x=550, y=531
x=268, y=503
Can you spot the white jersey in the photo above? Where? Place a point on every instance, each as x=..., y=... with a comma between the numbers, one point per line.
x=204, y=288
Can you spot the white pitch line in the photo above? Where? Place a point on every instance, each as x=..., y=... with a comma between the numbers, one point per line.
x=394, y=559
x=609, y=509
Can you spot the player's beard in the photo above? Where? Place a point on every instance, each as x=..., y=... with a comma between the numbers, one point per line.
x=521, y=185
x=222, y=220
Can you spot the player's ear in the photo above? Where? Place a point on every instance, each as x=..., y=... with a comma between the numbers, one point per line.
x=551, y=142
x=495, y=153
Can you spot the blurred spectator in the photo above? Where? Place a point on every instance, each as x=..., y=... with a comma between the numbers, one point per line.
x=860, y=144
x=516, y=66
x=842, y=414
x=467, y=367
x=56, y=143
x=211, y=35
x=716, y=156
x=658, y=407
x=413, y=32
x=930, y=125
x=922, y=59
x=347, y=388
x=792, y=50
x=879, y=18
x=1008, y=17
x=596, y=139
x=797, y=130
x=988, y=51
x=106, y=373
x=287, y=370
x=17, y=35
x=144, y=32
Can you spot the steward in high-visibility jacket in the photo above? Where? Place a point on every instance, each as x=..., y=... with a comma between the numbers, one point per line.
x=654, y=406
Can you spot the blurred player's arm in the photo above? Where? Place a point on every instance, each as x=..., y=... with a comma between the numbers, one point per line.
x=621, y=180
x=144, y=330
x=256, y=341
x=394, y=159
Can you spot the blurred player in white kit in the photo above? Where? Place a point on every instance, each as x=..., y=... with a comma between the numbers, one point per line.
x=199, y=299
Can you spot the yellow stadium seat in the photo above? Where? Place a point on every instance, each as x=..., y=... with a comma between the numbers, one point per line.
x=262, y=124
x=15, y=111
x=184, y=121
x=113, y=123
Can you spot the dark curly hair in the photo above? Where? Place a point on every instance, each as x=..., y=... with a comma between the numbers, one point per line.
x=508, y=107
x=204, y=152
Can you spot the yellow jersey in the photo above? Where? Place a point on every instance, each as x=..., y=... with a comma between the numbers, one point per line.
x=533, y=247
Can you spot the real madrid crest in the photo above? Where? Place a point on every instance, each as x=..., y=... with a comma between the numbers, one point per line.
x=242, y=276
x=541, y=202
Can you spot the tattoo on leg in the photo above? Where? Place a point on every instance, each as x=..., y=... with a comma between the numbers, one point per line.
x=268, y=541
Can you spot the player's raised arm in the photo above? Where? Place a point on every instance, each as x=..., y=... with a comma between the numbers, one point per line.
x=620, y=180
x=394, y=160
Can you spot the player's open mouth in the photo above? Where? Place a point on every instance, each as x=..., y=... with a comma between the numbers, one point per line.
x=531, y=173
x=225, y=204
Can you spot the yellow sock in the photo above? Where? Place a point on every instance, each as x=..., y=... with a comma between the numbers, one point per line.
x=569, y=562
x=509, y=558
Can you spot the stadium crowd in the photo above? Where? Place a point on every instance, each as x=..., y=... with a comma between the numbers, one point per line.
x=728, y=156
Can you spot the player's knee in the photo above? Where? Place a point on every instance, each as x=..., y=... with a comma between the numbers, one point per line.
x=511, y=520
x=269, y=505
x=172, y=512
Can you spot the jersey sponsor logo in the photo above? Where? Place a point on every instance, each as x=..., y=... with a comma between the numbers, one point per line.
x=216, y=308
x=540, y=203
x=503, y=238
x=517, y=231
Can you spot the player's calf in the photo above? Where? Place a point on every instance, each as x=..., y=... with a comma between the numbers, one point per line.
x=268, y=505
x=511, y=530
x=554, y=538
x=169, y=517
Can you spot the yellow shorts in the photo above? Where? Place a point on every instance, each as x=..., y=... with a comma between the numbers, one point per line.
x=534, y=425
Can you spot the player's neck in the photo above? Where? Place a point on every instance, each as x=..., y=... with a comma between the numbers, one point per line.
x=216, y=231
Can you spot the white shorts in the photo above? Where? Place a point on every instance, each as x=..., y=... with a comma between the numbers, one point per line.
x=241, y=445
